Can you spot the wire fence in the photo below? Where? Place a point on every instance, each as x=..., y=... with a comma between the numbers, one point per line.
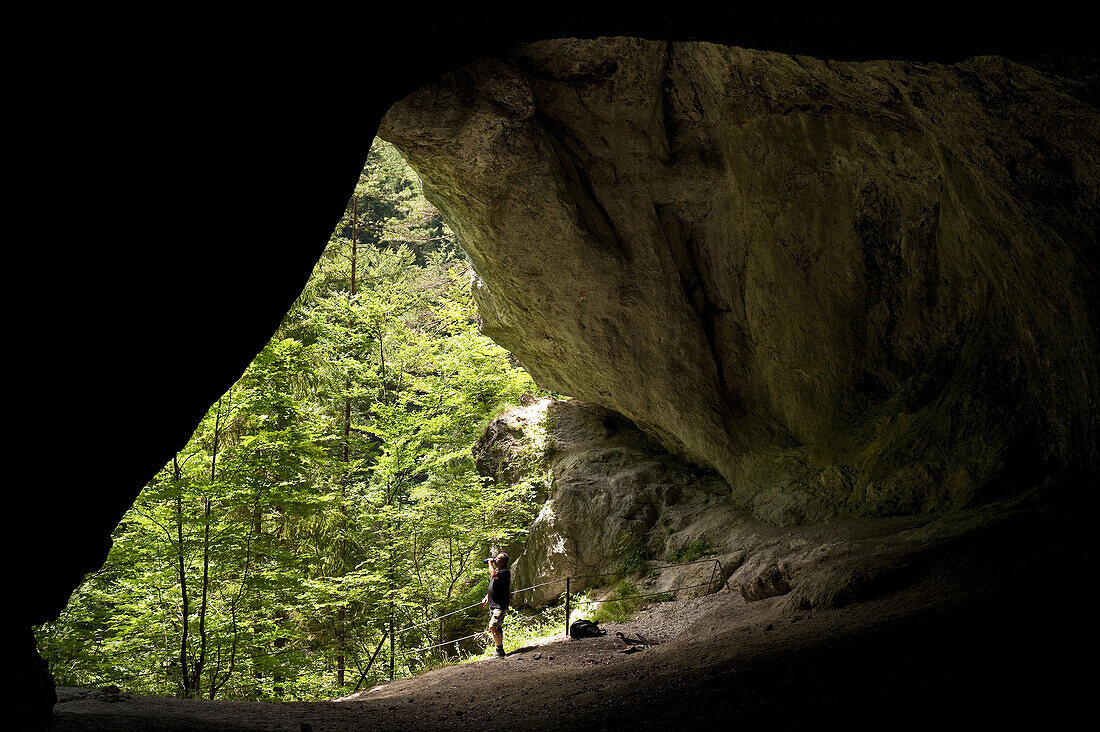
x=718, y=576
x=648, y=567
x=665, y=593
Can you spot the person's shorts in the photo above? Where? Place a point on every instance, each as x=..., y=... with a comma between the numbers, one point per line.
x=496, y=620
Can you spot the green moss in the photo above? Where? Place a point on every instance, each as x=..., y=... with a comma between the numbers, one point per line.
x=548, y=425
x=631, y=553
x=690, y=552
x=621, y=605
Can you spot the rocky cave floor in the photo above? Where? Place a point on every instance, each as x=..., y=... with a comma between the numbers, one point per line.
x=992, y=630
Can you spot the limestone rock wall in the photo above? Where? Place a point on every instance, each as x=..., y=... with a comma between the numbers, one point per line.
x=612, y=493
x=616, y=506
x=851, y=288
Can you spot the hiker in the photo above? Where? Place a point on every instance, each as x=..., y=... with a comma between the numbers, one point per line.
x=500, y=592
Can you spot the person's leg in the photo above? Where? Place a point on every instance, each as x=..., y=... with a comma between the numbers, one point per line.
x=496, y=629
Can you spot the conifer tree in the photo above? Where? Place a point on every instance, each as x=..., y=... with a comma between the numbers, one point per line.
x=329, y=498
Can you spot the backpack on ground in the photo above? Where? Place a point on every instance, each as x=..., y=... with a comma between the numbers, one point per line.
x=585, y=629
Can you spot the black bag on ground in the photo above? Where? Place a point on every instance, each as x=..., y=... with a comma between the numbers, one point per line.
x=585, y=629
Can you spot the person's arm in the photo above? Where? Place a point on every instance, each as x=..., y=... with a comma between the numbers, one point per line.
x=492, y=576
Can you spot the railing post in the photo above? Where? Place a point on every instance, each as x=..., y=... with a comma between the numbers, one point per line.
x=567, y=588
x=725, y=580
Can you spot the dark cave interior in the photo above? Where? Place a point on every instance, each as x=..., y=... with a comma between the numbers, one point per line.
x=228, y=125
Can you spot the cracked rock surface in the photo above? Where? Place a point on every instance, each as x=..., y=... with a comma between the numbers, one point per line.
x=853, y=289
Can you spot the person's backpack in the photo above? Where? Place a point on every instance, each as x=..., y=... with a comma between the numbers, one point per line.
x=585, y=629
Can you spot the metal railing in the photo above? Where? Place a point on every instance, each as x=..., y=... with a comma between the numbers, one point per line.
x=717, y=575
x=718, y=571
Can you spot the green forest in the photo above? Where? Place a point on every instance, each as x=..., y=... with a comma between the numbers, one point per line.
x=329, y=497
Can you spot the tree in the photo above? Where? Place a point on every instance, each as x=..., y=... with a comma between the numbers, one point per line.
x=329, y=498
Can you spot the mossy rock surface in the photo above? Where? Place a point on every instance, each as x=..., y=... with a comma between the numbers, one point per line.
x=851, y=288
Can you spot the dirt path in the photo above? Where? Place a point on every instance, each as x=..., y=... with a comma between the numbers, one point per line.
x=518, y=691
x=985, y=635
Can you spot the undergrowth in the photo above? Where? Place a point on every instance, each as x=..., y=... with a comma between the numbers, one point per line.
x=520, y=629
x=626, y=600
x=631, y=553
x=690, y=552
x=525, y=629
x=622, y=604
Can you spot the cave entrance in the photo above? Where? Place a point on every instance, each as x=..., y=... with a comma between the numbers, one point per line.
x=326, y=499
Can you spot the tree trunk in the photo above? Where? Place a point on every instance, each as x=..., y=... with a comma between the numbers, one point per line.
x=186, y=609
x=341, y=551
x=340, y=661
x=201, y=662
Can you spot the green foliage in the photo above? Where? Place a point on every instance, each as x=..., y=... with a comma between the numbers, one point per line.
x=329, y=497
x=631, y=553
x=622, y=603
x=525, y=630
x=690, y=552
x=548, y=426
x=520, y=631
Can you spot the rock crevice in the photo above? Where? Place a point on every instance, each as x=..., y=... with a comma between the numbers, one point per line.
x=853, y=289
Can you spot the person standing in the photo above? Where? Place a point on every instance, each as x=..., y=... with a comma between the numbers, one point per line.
x=498, y=597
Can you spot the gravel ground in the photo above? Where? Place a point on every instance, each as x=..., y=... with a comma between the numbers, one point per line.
x=663, y=621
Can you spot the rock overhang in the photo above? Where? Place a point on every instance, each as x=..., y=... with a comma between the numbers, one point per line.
x=839, y=284
x=317, y=156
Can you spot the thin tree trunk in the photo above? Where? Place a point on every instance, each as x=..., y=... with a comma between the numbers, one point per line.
x=340, y=660
x=186, y=611
x=341, y=552
x=201, y=662
x=354, y=237
x=393, y=582
x=351, y=297
x=382, y=360
x=215, y=685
